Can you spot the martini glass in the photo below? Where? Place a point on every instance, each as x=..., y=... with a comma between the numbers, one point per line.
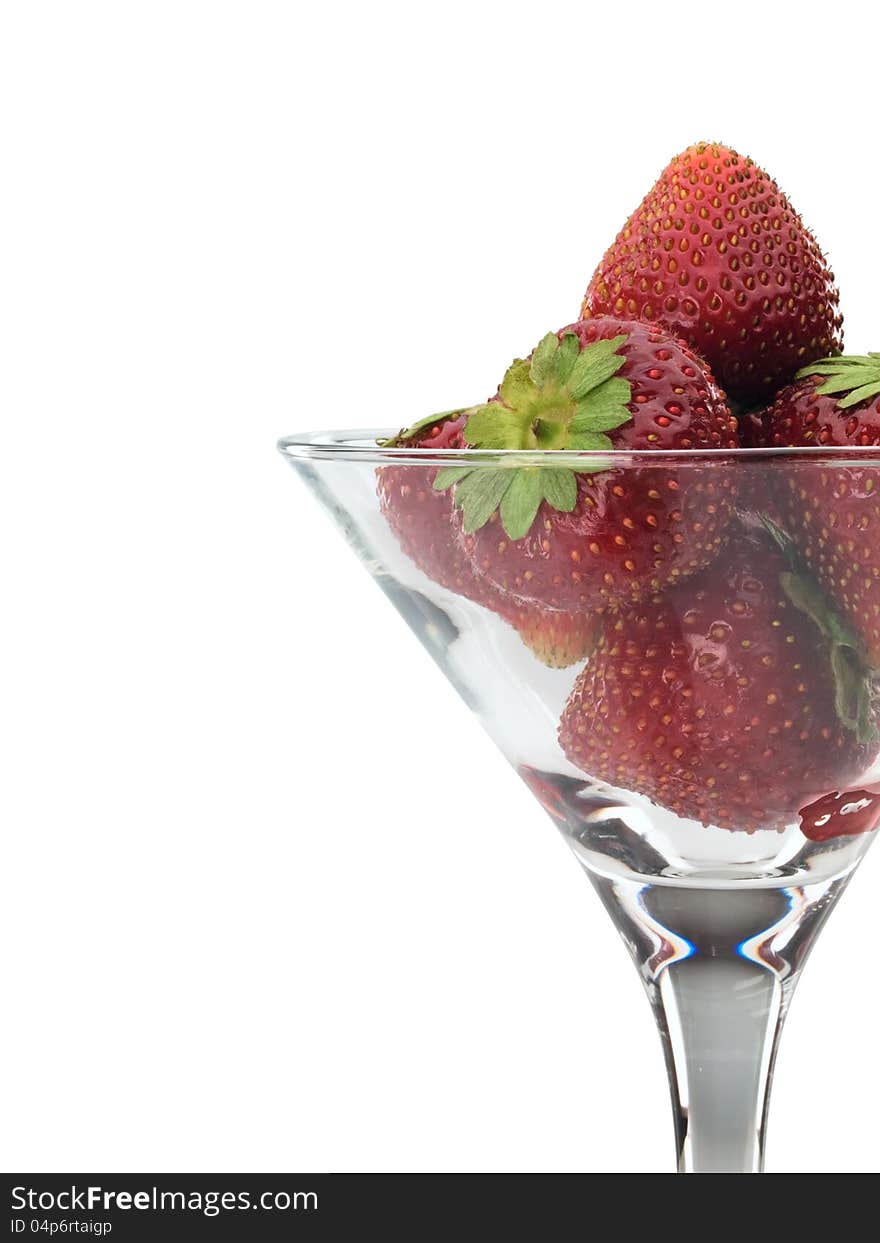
x=718, y=920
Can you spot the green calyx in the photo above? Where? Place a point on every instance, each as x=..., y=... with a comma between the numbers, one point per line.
x=564, y=397
x=856, y=377
x=852, y=677
x=407, y=433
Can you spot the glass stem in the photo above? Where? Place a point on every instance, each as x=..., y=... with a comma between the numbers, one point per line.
x=720, y=1021
x=719, y=966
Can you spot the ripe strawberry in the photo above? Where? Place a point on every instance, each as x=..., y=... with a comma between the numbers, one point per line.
x=847, y=814
x=556, y=639
x=421, y=519
x=731, y=700
x=581, y=536
x=716, y=252
x=831, y=510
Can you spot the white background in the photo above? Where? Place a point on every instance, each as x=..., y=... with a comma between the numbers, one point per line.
x=271, y=900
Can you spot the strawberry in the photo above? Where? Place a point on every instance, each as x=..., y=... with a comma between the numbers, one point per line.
x=849, y=814
x=730, y=700
x=421, y=519
x=577, y=537
x=717, y=253
x=556, y=639
x=831, y=509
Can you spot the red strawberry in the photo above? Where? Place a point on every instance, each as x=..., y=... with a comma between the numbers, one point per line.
x=556, y=639
x=719, y=699
x=421, y=518
x=581, y=536
x=716, y=252
x=831, y=509
x=849, y=814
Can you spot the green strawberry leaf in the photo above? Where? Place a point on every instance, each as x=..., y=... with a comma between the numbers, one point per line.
x=559, y=486
x=516, y=387
x=599, y=422
x=608, y=398
x=589, y=441
x=852, y=697
x=776, y=533
x=845, y=381
x=595, y=364
x=871, y=389
x=480, y=494
x=569, y=349
x=852, y=678
x=521, y=501
x=450, y=475
x=542, y=367
x=857, y=376
x=494, y=426
x=407, y=433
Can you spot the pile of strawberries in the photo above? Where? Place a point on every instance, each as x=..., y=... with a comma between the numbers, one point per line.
x=727, y=607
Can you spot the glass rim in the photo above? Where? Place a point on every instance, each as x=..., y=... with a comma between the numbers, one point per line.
x=360, y=445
